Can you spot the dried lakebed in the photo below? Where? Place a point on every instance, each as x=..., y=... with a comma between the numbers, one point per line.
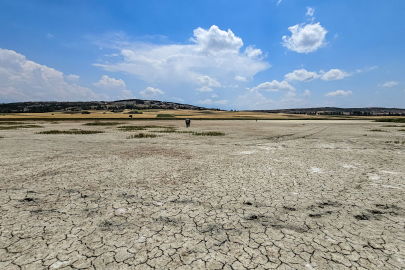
x=266, y=195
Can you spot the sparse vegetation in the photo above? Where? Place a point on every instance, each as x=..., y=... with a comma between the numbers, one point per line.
x=208, y=133
x=101, y=124
x=141, y=135
x=171, y=131
x=401, y=129
x=395, y=120
x=395, y=142
x=378, y=130
x=74, y=132
x=393, y=126
x=132, y=128
x=54, y=122
x=19, y=126
x=164, y=115
x=11, y=123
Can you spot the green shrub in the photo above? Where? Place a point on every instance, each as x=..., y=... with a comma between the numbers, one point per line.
x=141, y=135
x=85, y=112
x=164, y=115
x=74, y=132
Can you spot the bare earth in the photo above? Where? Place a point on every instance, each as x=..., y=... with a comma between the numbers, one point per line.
x=267, y=195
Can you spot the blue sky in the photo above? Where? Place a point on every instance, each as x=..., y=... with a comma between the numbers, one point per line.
x=218, y=54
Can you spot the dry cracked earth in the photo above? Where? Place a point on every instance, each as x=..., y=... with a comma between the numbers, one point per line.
x=267, y=195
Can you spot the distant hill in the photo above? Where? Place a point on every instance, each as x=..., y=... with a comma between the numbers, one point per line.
x=368, y=111
x=119, y=105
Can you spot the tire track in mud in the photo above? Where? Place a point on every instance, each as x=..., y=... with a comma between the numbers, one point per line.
x=298, y=135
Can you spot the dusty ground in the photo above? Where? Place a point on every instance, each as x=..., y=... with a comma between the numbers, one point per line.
x=268, y=195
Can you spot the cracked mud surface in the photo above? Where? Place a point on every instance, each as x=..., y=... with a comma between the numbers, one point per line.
x=268, y=195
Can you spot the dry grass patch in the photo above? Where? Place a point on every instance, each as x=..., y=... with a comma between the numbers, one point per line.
x=171, y=131
x=142, y=135
x=74, y=132
x=208, y=133
x=19, y=126
x=102, y=124
x=395, y=142
x=7, y=123
x=132, y=128
x=394, y=120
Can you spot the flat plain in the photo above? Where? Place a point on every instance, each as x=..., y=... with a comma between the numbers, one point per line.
x=267, y=195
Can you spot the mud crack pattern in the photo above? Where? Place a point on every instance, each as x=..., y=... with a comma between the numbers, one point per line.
x=268, y=195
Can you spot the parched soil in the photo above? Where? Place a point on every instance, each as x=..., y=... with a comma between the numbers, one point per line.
x=267, y=195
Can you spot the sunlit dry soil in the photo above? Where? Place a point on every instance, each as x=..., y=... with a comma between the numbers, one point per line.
x=267, y=195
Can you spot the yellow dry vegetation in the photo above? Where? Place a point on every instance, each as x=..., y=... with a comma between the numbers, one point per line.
x=176, y=114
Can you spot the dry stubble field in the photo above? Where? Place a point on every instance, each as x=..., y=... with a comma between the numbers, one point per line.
x=267, y=195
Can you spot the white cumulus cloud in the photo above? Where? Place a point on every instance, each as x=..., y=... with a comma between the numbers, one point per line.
x=390, y=84
x=274, y=86
x=338, y=93
x=214, y=53
x=107, y=82
x=240, y=78
x=207, y=81
x=150, y=93
x=334, y=74
x=301, y=75
x=215, y=40
x=118, y=87
x=305, y=38
x=306, y=93
x=251, y=52
x=25, y=80
x=73, y=78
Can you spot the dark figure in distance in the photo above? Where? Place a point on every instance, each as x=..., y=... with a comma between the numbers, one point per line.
x=188, y=122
